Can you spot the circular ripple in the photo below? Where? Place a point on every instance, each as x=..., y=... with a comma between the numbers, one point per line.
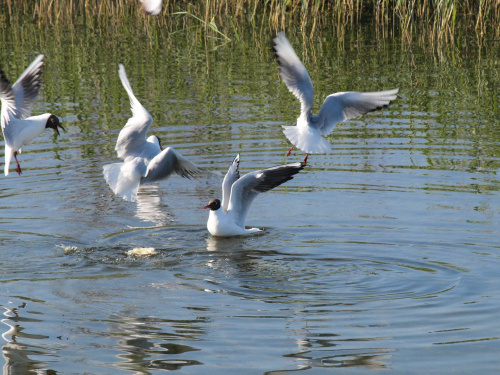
x=288, y=279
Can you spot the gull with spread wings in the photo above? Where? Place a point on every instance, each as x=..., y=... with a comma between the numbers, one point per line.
x=18, y=126
x=228, y=218
x=308, y=134
x=144, y=160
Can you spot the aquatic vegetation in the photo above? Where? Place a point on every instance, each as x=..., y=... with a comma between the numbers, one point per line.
x=436, y=19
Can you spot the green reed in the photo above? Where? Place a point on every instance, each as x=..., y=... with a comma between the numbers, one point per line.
x=440, y=20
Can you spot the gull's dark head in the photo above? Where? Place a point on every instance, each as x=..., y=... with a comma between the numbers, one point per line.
x=53, y=123
x=214, y=204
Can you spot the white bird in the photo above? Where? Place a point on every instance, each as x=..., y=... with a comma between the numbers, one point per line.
x=341, y=106
x=144, y=159
x=18, y=126
x=238, y=194
x=151, y=7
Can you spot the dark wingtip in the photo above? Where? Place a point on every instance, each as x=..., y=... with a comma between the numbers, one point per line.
x=3, y=76
x=275, y=43
x=275, y=50
x=276, y=56
x=277, y=176
x=196, y=174
x=3, y=79
x=237, y=161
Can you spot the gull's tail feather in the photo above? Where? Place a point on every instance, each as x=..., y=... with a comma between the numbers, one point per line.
x=122, y=181
x=307, y=140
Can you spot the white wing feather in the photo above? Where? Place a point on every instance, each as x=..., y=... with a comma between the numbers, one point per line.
x=167, y=162
x=294, y=73
x=232, y=175
x=27, y=87
x=17, y=100
x=246, y=188
x=133, y=134
x=348, y=105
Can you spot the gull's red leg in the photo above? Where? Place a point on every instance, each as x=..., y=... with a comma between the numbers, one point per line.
x=289, y=151
x=305, y=159
x=18, y=166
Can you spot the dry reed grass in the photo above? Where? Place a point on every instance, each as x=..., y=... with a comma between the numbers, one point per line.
x=439, y=20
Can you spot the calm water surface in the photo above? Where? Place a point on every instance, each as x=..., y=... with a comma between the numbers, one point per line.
x=382, y=255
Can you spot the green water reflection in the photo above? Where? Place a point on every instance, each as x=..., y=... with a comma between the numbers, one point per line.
x=448, y=111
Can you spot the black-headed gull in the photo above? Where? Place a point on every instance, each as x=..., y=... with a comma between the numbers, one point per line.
x=144, y=159
x=151, y=7
x=341, y=106
x=18, y=126
x=228, y=219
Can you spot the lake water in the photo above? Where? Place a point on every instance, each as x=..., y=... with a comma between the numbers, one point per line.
x=381, y=255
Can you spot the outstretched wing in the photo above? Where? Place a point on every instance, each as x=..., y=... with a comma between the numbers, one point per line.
x=8, y=100
x=133, y=134
x=17, y=100
x=167, y=162
x=249, y=186
x=347, y=105
x=232, y=175
x=294, y=73
x=27, y=87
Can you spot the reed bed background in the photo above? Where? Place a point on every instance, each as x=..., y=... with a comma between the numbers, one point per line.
x=436, y=20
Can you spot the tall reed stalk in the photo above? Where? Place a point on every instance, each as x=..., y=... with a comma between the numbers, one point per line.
x=441, y=19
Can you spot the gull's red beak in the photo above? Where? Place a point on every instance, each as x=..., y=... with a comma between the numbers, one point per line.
x=208, y=206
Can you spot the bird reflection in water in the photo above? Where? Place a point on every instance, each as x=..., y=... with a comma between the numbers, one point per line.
x=230, y=244
x=154, y=343
x=149, y=206
x=16, y=354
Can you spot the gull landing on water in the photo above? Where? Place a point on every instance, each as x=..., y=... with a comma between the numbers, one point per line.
x=341, y=106
x=145, y=161
x=228, y=218
x=18, y=126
